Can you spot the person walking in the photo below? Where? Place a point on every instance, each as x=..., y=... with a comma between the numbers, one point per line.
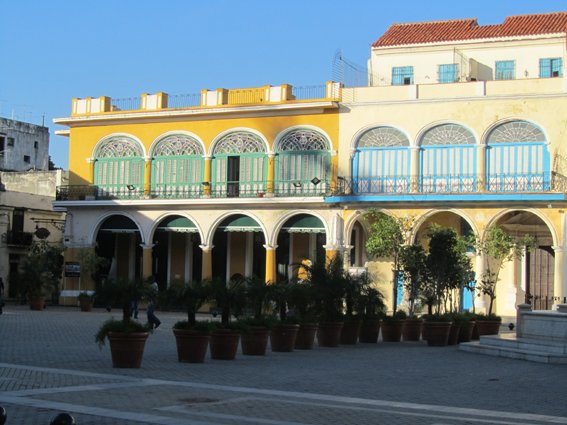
x=153, y=320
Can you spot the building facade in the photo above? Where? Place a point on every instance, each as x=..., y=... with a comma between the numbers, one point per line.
x=463, y=125
x=23, y=146
x=460, y=124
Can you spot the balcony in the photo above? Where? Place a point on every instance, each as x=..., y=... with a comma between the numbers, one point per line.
x=257, y=189
x=16, y=238
x=530, y=183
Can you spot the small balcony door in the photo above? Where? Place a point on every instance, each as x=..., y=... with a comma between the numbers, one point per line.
x=233, y=176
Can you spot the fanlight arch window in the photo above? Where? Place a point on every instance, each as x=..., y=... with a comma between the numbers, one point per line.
x=119, y=168
x=302, y=163
x=177, y=167
x=448, y=159
x=239, y=165
x=517, y=158
x=382, y=137
x=381, y=162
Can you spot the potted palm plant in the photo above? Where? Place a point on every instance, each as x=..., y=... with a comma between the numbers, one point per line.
x=329, y=283
x=353, y=291
x=372, y=307
x=86, y=300
x=191, y=337
x=255, y=329
x=284, y=332
x=415, y=276
x=302, y=302
x=229, y=297
x=127, y=337
x=392, y=326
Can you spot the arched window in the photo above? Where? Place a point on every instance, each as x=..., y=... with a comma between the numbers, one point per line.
x=381, y=162
x=517, y=158
x=302, y=163
x=448, y=159
x=239, y=165
x=119, y=168
x=177, y=167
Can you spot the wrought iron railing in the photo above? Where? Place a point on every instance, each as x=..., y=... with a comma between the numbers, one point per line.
x=518, y=183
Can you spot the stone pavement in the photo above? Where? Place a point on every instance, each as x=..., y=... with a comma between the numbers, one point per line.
x=49, y=363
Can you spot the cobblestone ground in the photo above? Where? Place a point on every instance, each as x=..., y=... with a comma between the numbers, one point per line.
x=49, y=363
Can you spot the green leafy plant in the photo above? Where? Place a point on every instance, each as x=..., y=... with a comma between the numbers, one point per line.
x=302, y=301
x=122, y=326
x=190, y=296
x=499, y=248
x=121, y=292
x=229, y=296
x=413, y=261
x=329, y=286
x=387, y=236
x=204, y=326
x=42, y=269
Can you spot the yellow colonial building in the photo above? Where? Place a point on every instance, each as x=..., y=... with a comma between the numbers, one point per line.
x=460, y=124
x=191, y=187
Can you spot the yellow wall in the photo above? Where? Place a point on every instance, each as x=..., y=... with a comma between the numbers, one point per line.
x=237, y=253
x=84, y=139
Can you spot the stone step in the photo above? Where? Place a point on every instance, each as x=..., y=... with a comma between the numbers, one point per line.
x=513, y=353
x=530, y=344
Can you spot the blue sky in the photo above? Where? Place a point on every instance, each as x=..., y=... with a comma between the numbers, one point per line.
x=55, y=50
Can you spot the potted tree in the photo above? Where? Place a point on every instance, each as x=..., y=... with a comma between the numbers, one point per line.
x=413, y=262
x=86, y=300
x=41, y=272
x=387, y=237
x=191, y=336
x=255, y=329
x=127, y=337
x=392, y=326
x=499, y=248
x=229, y=297
x=353, y=292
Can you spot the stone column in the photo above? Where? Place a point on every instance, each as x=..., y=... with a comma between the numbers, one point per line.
x=147, y=261
x=521, y=310
x=91, y=162
x=481, y=183
x=147, y=176
x=207, y=264
x=271, y=174
x=207, y=173
x=271, y=272
x=414, y=169
x=559, y=281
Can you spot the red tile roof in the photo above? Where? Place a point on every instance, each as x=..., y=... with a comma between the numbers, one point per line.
x=468, y=29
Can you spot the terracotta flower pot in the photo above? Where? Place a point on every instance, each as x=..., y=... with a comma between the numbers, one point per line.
x=466, y=331
x=86, y=304
x=191, y=345
x=329, y=334
x=350, y=332
x=306, y=336
x=437, y=333
x=411, y=329
x=224, y=343
x=254, y=341
x=454, y=334
x=369, y=331
x=37, y=303
x=127, y=349
x=283, y=336
x=392, y=330
x=488, y=327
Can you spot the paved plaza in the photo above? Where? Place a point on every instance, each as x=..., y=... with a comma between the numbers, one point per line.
x=49, y=363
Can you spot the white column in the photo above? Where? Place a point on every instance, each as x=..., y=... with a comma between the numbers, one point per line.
x=132, y=257
x=249, y=254
x=188, y=257
x=228, y=252
x=559, y=281
x=169, y=255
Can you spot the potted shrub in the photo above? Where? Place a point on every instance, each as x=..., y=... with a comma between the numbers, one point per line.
x=255, y=329
x=302, y=302
x=353, y=293
x=413, y=262
x=191, y=337
x=329, y=285
x=372, y=307
x=86, y=300
x=437, y=328
x=284, y=332
x=467, y=327
x=229, y=297
x=41, y=272
x=392, y=326
x=488, y=324
x=127, y=338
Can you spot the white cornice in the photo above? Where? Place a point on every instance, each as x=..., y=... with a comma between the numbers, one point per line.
x=185, y=113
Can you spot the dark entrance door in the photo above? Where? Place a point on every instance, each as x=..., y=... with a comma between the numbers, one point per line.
x=539, y=288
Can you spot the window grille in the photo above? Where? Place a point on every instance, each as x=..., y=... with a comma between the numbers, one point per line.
x=402, y=75
x=505, y=70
